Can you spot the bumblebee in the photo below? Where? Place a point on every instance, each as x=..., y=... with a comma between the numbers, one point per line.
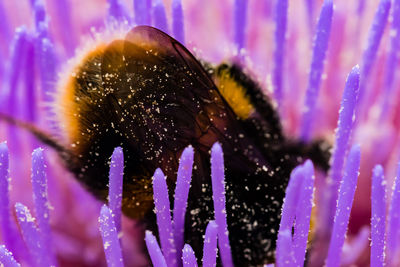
x=148, y=94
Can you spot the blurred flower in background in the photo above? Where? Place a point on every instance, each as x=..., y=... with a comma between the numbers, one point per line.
x=273, y=40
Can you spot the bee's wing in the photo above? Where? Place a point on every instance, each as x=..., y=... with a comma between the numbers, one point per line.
x=149, y=38
x=163, y=100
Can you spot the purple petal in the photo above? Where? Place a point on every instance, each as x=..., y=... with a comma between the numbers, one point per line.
x=210, y=249
x=117, y=11
x=116, y=176
x=240, y=16
x=393, y=236
x=303, y=213
x=310, y=13
x=343, y=209
x=159, y=16
x=154, y=250
x=292, y=197
x=317, y=67
x=281, y=11
x=392, y=59
x=142, y=15
x=374, y=39
x=64, y=25
x=29, y=107
x=5, y=29
x=378, y=217
x=361, y=7
x=31, y=235
x=39, y=12
x=181, y=195
x=4, y=195
x=18, y=48
x=284, y=250
x=218, y=188
x=178, y=21
x=188, y=257
x=47, y=62
x=163, y=212
x=9, y=233
x=342, y=136
x=39, y=184
x=109, y=234
x=6, y=258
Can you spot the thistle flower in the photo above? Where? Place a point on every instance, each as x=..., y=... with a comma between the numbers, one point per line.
x=300, y=51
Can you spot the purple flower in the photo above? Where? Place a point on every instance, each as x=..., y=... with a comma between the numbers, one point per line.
x=299, y=51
